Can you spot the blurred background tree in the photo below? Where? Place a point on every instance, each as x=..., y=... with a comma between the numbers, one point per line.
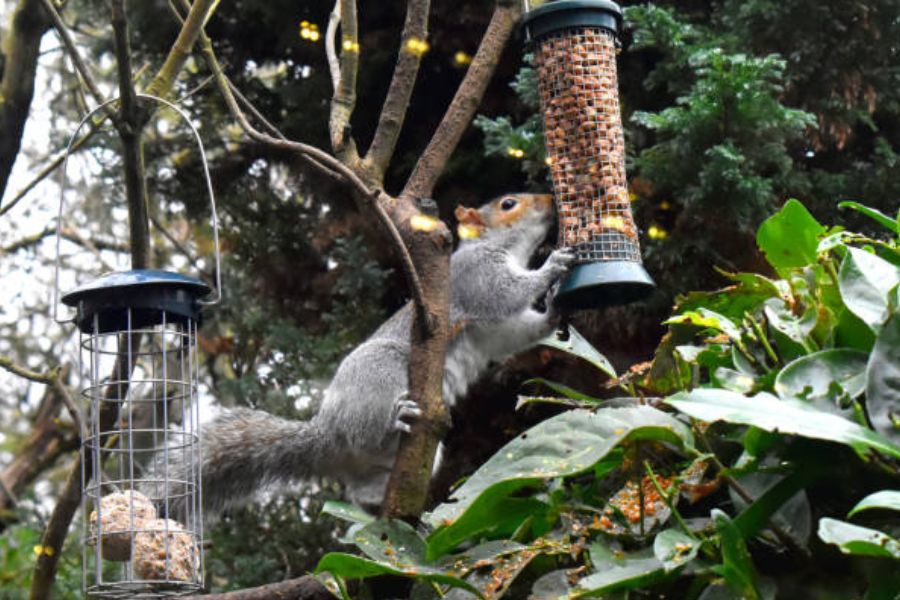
x=730, y=107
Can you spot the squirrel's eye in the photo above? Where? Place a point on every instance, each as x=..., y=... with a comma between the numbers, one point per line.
x=508, y=203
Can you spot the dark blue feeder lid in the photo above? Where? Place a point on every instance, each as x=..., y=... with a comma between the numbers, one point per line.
x=151, y=294
x=604, y=283
x=559, y=15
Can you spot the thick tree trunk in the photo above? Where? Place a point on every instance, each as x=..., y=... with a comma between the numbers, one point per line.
x=21, y=50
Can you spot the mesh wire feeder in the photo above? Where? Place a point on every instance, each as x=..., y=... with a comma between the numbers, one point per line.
x=575, y=58
x=142, y=529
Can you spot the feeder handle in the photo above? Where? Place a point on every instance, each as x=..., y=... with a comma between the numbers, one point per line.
x=62, y=198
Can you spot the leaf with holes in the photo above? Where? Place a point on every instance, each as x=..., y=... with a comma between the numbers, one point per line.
x=862, y=541
x=567, y=444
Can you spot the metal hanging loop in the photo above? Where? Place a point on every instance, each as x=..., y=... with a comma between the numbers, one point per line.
x=212, y=199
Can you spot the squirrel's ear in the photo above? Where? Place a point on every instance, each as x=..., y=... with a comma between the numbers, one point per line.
x=469, y=216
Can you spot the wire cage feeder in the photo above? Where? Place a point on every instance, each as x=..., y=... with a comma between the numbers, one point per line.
x=142, y=530
x=575, y=44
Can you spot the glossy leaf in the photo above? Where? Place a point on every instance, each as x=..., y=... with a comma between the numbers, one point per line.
x=612, y=572
x=853, y=539
x=350, y=566
x=790, y=237
x=883, y=381
x=812, y=378
x=392, y=548
x=567, y=444
x=889, y=499
x=576, y=345
x=865, y=280
x=564, y=390
x=783, y=416
x=674, y=548
x=347, y=512
x=876, y=215
x=737, y=565
x=781, y=499
x=707, y=319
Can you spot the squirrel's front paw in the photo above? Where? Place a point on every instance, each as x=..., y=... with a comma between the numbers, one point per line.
x=561, y=259
x=405, y=410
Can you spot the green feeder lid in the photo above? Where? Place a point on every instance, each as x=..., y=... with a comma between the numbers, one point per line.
x=565, y=14
x=151, y=295
x=604, y=283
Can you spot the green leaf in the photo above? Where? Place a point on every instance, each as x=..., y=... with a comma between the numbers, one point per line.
x=783, y=416
x=756, y=517
x=889, y=499
x=735, y=381
x=347, y=512
x=812, y=378
x=576, y=345
x=674, y=548
x=865, y=280
x=564, y=445
x=350, y=566
x=876, y=215
x=862, y=541
x=707, y=319
x=883, y=381
x=615, y=571
x=790, y=237
x=393, y=548
x=565, y=390
x=796, y=328
x=737, y=565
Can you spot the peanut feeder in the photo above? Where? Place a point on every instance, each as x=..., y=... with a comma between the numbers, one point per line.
x=574, y=44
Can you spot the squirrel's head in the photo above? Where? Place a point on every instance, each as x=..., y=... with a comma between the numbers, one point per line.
x=510, y=211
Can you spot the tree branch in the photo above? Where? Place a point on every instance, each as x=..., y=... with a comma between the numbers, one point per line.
x=49, y=438
x=130, y=123
x=22, y=49
x=468, y=96
x=393, y=113
x=47, y=170
x=72, y=51
x=334, y=65
x=302, y=588
x=344, y=99
x=8, y=365
x=198, y=14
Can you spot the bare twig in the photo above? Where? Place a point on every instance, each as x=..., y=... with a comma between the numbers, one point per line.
x=178, y=245
x=52, y=166
x=465, y=102
x=334, y=66
x=26, y=373
x=48, y=439
x=199, y=12
x=344, y=99
x=67, y=234
x=73, y=53
x=393, y=113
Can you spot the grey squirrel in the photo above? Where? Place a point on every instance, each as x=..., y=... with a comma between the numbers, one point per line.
x=356, y=432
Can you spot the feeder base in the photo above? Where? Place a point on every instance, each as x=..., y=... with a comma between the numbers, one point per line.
x=608, y=283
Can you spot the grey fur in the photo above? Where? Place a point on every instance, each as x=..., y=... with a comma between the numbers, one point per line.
x=356, y=432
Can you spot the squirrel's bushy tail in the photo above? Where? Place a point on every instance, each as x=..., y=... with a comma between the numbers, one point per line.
x=244, y=451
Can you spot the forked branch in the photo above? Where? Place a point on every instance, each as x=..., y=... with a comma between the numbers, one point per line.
x=393, y=113
x=466, y=101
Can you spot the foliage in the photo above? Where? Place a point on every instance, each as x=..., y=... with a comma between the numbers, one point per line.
x=771, y=384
